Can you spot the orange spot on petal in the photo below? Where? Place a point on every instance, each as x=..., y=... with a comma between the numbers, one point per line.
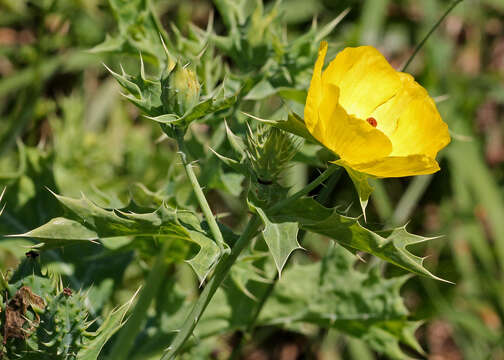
x=372, y=121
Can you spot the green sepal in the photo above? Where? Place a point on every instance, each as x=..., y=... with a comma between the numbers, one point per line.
x=361, y=184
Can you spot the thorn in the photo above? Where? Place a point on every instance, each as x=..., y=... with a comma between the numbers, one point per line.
x=359, y=257
x=164, y=45
x=108, y=69
x=441, y=98
x=52, y=192
x=200, y=54
x=210, y=22
x=142, y=67
x=162, y=138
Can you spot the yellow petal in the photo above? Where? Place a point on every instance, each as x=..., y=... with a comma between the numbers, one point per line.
x=396, y=166
x=314, y=97
x=353, y=139
x=365, y=79
x=419, y=127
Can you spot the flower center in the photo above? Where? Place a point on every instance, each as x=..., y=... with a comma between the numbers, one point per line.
x=372, y=121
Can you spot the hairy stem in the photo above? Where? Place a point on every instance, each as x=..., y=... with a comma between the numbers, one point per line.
x=207, y=212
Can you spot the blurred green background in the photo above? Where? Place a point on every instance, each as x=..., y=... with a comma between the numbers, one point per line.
x=64, y=126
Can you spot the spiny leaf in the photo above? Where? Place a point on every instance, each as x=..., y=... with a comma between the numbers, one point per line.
x=143, y=92
x=199, y=111
x=91, y=349
x=208, y=107
x=330, y=294
x=281, y=239
x=389, y=245
x=202, y=263
x=238, y=145
x=85, y=221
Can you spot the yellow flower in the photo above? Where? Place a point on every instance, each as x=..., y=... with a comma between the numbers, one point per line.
x=378, y=120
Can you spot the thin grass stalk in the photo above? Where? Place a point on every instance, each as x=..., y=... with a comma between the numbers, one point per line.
x=424, y=40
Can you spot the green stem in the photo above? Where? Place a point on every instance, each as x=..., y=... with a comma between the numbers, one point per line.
x=225, y=264
x=421, y=44
x=304, y=191
x=213, y=284
x=207, y=212
x=325, y=194
x=126, y=339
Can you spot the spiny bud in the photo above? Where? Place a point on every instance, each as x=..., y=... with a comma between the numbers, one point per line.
x=269, y=151
x=180, y=90
x=42, y=321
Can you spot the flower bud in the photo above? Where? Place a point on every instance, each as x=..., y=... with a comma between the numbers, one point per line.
x=269, y=151
x=181, y=90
